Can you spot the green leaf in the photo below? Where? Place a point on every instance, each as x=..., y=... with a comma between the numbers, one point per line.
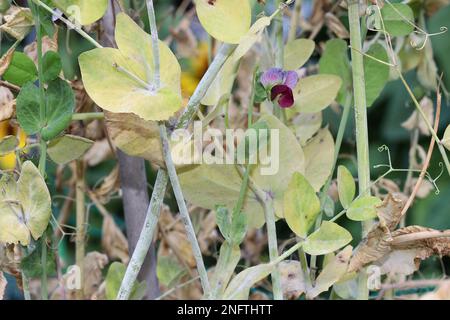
x=363, y=208
x=297, y=53
x=68, y=148
x=314, y=93
x=346, y=186
x=31, y=265
x=376, y=73
x=114, y=279
x=60, y=107
x=335, y=61
x=27, y=109
x=51, y=64
x=398, y=19
x=226, y=264
x=328, y=238
x=169, y=271
x=319, y=158
x=301, y=205
x=21, y=70
x=25, y=206
x=223, y=221
x=8, y=144
x=239, y=287
x=122, y=80
x=84, y=12
x=446, y=138
x=225, y=20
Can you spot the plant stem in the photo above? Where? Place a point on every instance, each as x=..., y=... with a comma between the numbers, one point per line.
x=155, y=43
x=278, y=32
x=337, y=148
x=43, y=144
x=362, y=139
x=184, y=211
x=88, y=116
x=80, y=216
x=294, y=20
x=146, y=237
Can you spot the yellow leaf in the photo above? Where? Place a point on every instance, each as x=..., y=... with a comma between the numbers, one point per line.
x=121, y=80
x=83, y=11
x=297, y=53
x=225, y=20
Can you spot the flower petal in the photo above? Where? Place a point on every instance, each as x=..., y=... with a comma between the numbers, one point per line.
x=291, y=79
x=272, y=77
x=286, y=97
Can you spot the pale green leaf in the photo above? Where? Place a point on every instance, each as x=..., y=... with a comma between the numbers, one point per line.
x=297, y=53
x=83, y=11
x=319, y=158
x=314, y=93
x=301, y=205
x=398, y=19
x=363, y=208
x=68, y=148
x=8, y=144
x=114, y=279
x=346, y=186
x=446, y=138
x=228, y=260
x=239, y=287
x=225, y=20
x=131, y=88
x=328, y=238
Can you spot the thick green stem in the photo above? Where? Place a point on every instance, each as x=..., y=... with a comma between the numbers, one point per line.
x=362, y=136
x=88, y=116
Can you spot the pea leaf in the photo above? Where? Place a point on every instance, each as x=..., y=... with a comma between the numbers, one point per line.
x=398, y=19
x=301, y=205
x=21, y=70
x=335, y=61
x=346, y=186
x=228, y=260
x=315, y=93
x=376, y=73
x=27, y=109
x=60, y=106
x=239, y=287
x=25, y=206
x=116, y=272
x=363, y=208
x=319, y=158
x=122, y=80
x=8, y=144
x=225, y=20
x=328, y=238
x=31, y=265
x=51, y=63
x=67, y=148
x=169, y=270
x=297, y=53
x=446, y=138
x=83, y=11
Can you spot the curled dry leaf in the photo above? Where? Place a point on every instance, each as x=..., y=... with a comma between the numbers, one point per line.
x=5, y=61
x=109, y=186
x=416, y=121
x=48, y=44
x=292, y=279
x=94, y=263
x=7, y=104
x=99, y=152
x=376, y=244
x=18, y=22
x=113, y=240
x=3, y=284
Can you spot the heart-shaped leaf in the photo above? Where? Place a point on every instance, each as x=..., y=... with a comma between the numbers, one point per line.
x=122, y=80
x=328, y=238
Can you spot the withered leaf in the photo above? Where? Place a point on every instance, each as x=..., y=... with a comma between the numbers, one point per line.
x=5, y=61
x=7, y=104
x=94, y=263
x=113, y=240
x=377, y=242
x=416, y=121
x=292, y=279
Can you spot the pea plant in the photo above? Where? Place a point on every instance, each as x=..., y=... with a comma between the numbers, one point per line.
x=220, y=149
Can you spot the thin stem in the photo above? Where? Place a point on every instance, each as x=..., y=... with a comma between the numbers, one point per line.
x=155, y=42
x=294, y=20
x=76, y=26
x=304, y=264
x=362, y=136
x=80, y=216
x=88, y=116
x=416, y=236
x=279, y=43
x=146, y=237
x=184, y=211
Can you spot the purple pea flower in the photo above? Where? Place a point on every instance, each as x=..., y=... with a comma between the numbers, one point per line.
x=280, y=83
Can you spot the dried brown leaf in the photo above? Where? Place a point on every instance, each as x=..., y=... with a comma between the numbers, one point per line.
x=48, y=44
x=94, y=263
x=292, y=279
x=7, y=104
x=109, y=186
x=113, y=240
x=99, y=152
x=5, y=61
x=416, y=121
x=426, y=247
